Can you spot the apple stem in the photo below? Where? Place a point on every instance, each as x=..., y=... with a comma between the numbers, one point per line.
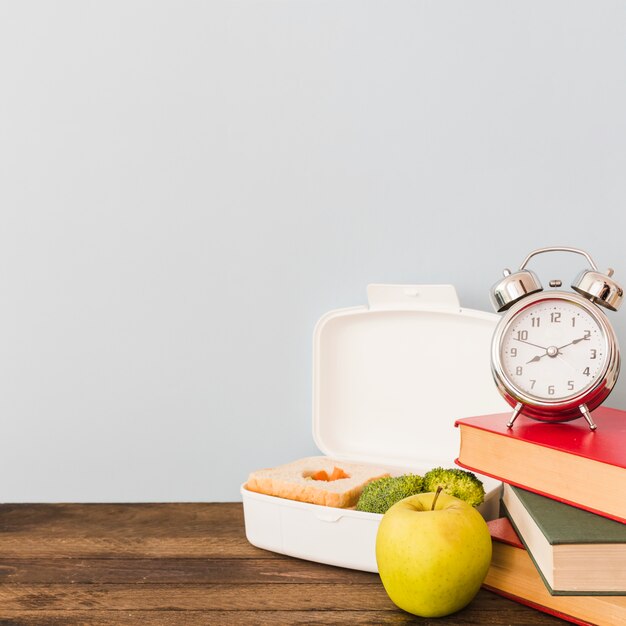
x=439, y=490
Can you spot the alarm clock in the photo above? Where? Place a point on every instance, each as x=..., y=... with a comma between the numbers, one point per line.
x=554, y=354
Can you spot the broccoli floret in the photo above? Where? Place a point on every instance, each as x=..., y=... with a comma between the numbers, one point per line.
x=381, y=494
x=456, y=482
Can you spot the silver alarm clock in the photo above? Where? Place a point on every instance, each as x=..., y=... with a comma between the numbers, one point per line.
x=555, y=355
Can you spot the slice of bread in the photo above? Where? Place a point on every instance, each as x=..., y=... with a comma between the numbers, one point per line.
x=295, y=481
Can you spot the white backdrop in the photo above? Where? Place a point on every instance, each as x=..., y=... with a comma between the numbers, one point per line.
x=186, y=187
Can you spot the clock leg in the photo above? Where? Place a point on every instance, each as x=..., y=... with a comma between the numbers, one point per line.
x=585, y=411
x=516, y=412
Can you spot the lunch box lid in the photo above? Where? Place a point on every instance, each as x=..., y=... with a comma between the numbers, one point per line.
x=391, y=378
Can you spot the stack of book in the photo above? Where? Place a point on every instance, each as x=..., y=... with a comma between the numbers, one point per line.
x=562, y=546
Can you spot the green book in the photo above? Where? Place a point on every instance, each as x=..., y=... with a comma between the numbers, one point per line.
x=575, y=551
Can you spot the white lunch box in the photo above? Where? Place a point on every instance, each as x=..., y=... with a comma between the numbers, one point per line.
x=389, y=381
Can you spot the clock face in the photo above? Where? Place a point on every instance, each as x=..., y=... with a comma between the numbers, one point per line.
x=554, y=349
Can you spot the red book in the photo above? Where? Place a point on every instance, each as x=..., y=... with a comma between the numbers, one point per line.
x=512, y=574
x=564, y=461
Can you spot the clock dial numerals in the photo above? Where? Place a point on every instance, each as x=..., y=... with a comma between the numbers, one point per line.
x=554, y=349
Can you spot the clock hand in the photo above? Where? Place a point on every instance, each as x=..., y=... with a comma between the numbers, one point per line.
x=566, y=362
x=536, y=358
x=530, y=344
x=571, y=343
x=551, y=351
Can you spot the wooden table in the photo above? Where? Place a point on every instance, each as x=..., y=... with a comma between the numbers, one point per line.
x=184, y=564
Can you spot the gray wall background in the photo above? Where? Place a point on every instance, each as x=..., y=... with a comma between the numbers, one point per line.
x=186, y=187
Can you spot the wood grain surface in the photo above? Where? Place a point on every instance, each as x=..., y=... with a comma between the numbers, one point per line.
x=178, y=564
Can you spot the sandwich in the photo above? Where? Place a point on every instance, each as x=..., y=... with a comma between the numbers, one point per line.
x=318, y=480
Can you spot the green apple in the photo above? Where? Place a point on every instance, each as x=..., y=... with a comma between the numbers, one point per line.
x=432, y=562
